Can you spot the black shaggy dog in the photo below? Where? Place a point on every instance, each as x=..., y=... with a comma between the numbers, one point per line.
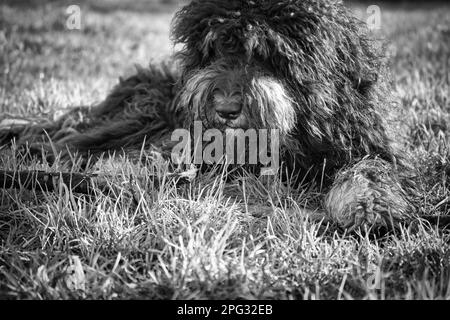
x=305, y=67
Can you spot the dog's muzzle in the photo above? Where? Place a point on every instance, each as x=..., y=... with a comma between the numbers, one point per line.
x=227, y=106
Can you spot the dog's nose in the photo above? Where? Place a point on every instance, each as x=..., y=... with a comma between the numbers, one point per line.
x=228, y=106
x=228, y=111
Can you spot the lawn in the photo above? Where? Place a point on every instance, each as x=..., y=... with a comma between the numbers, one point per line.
x=208, y=239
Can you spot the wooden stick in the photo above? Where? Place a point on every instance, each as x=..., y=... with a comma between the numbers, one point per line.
x=77, y=182
x=49, y=181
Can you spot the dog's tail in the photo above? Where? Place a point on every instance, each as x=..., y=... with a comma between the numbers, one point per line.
x=16, y=128
x=38, y=130
x=39, y=136
x=9, y=131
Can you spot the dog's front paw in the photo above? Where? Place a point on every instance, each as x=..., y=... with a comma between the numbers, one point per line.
x=367, y=196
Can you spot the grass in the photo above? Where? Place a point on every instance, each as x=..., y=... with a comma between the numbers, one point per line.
x=207, y=240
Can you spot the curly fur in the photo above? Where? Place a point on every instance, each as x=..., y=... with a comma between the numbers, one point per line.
x=315, y=50
x=306, y=67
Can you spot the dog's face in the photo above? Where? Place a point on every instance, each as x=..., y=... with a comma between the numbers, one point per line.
x=299, y=66
x=233, y=92
x=230, y=79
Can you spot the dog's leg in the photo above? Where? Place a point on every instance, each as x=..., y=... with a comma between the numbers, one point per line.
x=368, y=195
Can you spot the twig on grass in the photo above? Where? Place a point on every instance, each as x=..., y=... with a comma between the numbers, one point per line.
x=49, y=181
x=77, y=182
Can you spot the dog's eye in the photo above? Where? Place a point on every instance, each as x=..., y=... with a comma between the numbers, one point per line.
x=229, y=46
x=216, y=91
